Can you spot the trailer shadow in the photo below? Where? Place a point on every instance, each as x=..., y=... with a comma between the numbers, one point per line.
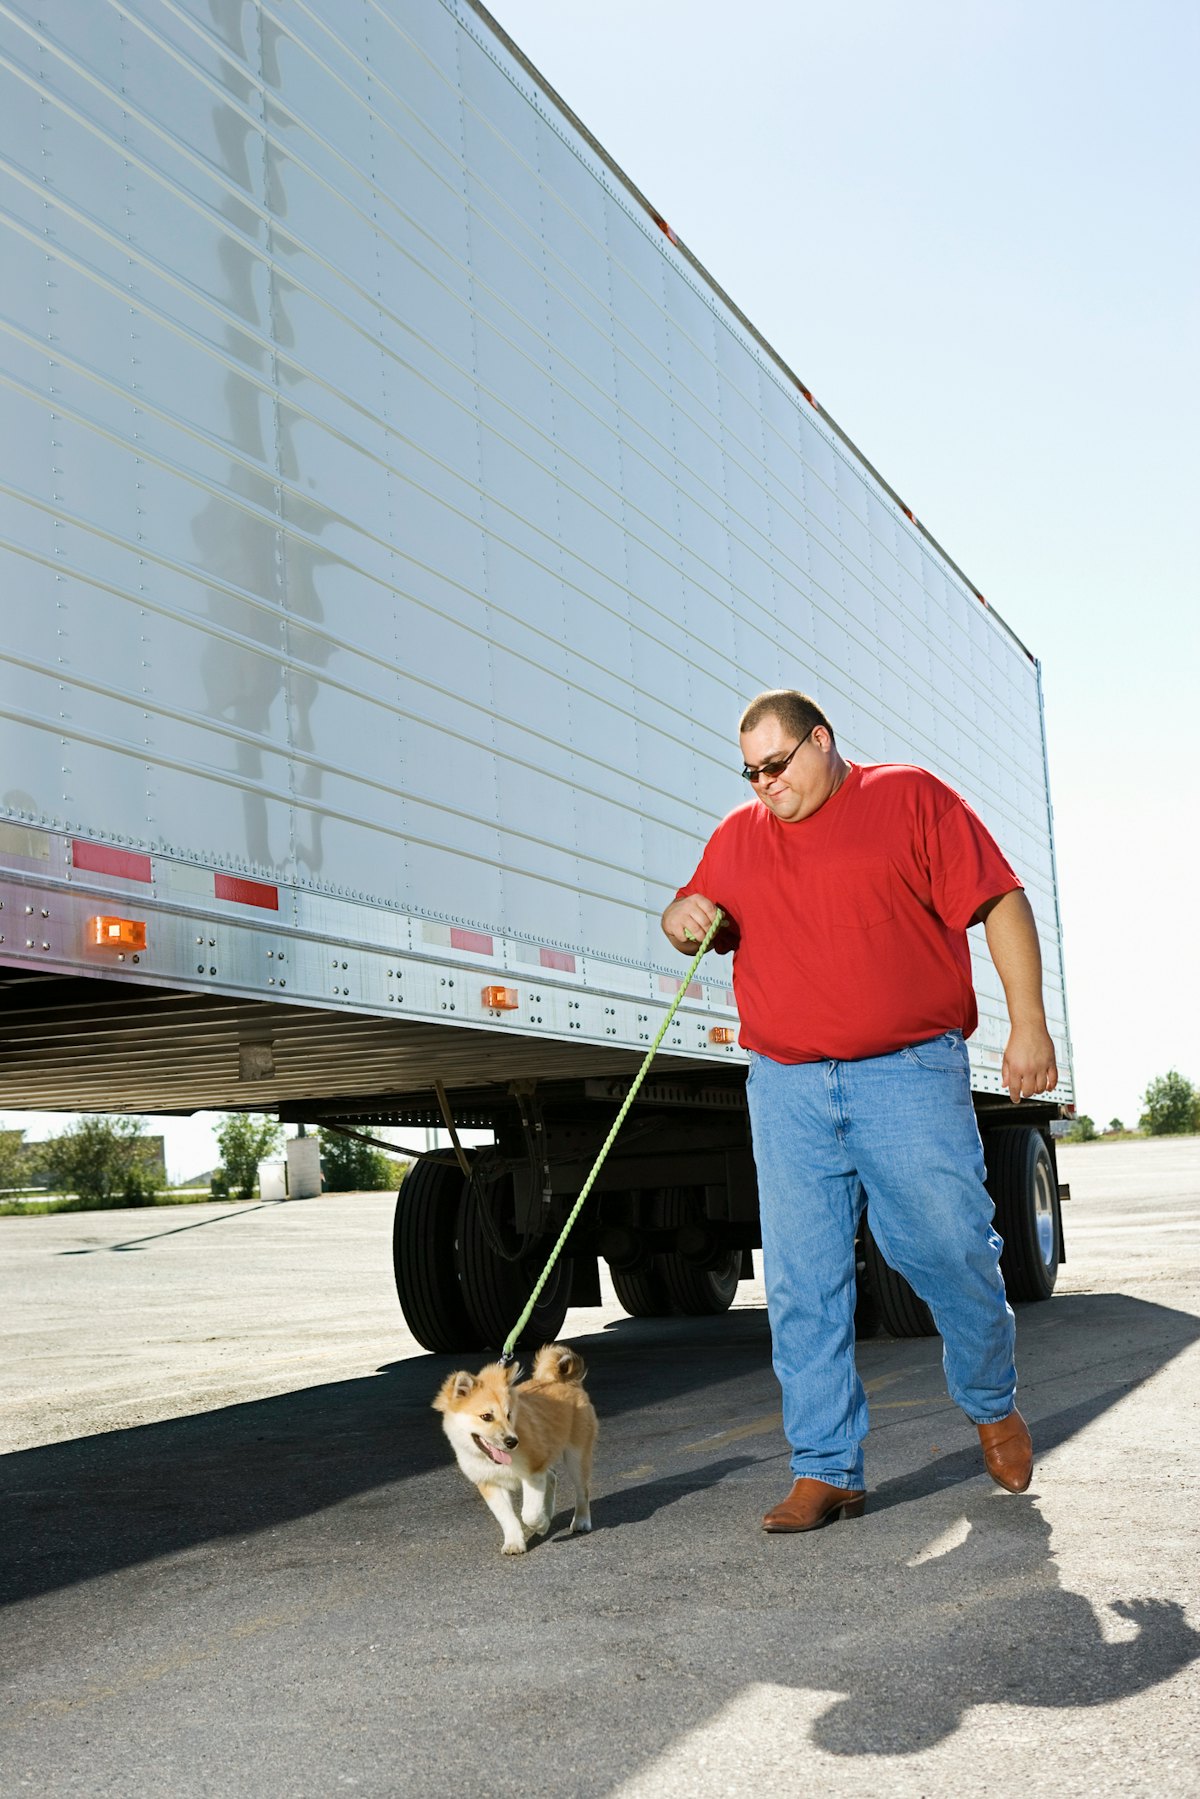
x=84, y=1508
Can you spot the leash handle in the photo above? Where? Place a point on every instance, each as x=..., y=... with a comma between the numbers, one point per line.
x=507, y=1357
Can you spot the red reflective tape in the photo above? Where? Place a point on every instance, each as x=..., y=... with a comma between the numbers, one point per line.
x=472, y=940
x=664, y=227
x=557, y=958
x=668, y=984
x=246, y=893
x=102, y=860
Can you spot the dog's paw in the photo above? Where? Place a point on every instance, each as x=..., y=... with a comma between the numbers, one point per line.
x=581, y=1527
x=513, y=1548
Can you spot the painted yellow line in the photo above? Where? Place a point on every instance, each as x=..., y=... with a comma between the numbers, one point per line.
x=773, y=1421
x=187, y=1656
x=757, y=1427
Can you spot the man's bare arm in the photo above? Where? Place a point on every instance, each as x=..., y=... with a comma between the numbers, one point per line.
x=1030, y=1065
x=686, y=921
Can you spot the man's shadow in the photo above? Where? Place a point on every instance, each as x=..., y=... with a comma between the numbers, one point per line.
x=989, y=1623
x=985, y=1622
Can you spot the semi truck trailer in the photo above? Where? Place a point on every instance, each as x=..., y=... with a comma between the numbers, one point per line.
x=396, y=517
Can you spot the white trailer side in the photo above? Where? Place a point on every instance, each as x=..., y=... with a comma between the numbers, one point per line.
x=394, y=518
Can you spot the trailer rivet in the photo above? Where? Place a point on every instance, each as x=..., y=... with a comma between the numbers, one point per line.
x=29, y=911
x=283, y=983
x=200, y=940
x=199, y=968
x=45, y=912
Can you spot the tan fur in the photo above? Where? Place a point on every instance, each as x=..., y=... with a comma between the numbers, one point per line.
x=510, y=1435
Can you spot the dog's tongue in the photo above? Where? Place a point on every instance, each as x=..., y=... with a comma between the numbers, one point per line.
x=497, y=1455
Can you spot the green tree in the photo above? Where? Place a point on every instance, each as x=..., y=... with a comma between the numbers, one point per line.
x=15, y=1160
x=1083, y=1130
x=351, y=1166
x=246, y=1139
x=104, y=1161
x=1114, y=1124
x=1171, y=1106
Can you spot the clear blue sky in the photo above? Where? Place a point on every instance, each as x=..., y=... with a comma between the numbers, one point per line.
x=971, y=229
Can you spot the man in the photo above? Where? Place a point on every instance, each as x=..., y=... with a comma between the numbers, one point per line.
x=848, y=890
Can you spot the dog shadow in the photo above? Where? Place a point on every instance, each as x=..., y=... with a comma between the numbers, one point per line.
x=640, y=1500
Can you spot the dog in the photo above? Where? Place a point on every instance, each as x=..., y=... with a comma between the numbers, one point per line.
x=508, y=1436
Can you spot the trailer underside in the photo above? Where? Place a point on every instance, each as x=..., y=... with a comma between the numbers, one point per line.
x=74, y=1043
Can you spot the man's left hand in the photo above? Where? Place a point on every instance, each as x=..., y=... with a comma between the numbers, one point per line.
x=1029, y=1064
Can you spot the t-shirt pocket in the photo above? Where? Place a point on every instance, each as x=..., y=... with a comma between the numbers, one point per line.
x=861, y=894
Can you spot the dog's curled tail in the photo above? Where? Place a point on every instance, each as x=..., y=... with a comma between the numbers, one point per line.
x=554, y=1361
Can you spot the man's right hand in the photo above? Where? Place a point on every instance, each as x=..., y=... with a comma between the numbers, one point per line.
x=686, y=921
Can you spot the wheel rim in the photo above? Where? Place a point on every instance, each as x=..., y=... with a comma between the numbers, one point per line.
x=724, y=1278
x=1043, y=1214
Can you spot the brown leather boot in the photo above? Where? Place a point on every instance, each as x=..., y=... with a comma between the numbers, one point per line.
x=812, y=1503
x=1008, y=1452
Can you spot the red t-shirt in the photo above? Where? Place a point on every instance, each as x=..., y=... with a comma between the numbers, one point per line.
x=849, y=927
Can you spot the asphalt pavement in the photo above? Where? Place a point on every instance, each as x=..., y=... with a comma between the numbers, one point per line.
x=238, y=1558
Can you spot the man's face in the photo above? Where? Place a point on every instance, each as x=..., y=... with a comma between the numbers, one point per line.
x=807, y=781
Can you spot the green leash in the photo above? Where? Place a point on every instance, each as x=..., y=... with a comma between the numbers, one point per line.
x=523, y=1320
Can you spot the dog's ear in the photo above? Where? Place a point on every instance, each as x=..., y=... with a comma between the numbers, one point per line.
x=455, y=1386
x=513, y=1372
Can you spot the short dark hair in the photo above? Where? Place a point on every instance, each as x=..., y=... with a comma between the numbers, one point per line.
x=795, y=711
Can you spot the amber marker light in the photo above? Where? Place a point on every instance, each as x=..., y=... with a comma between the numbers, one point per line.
x=118, y=933
x=721, y=1033
x=501, y=999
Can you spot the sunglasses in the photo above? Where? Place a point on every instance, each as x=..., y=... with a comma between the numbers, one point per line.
x=777, y=764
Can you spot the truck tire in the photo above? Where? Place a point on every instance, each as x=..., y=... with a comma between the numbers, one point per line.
x=641, y=1291
x=866, y=1307
x=427, y=1283
x=495, y=1291
x=1022, y=1183
x=898, y=1310
x=696, y=1291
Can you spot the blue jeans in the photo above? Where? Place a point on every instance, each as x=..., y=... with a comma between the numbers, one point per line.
x=897, y=1133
